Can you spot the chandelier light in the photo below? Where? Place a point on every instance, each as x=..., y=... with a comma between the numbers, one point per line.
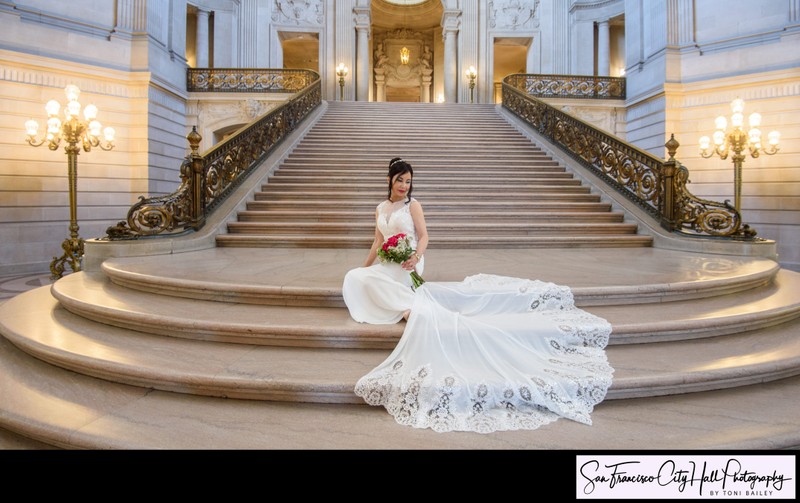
x=76, y=133
x=737, y=141
x=405, y=55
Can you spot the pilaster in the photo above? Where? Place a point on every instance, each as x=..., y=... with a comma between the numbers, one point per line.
x=450, y=28
x=362, y=20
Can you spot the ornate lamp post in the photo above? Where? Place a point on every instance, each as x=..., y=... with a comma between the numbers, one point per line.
x=341, y=72
x=76, y=133
x=736, y=141
x=471, y=74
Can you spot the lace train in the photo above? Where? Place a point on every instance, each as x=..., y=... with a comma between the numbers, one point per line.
x=493, y=353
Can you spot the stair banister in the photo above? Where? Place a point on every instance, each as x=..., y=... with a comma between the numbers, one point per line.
x=208, y=178
x=655, y=185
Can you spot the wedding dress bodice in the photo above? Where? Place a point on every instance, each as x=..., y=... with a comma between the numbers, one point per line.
x=395, y=218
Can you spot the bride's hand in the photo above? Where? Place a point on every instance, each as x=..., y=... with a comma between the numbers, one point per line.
x=410, y=264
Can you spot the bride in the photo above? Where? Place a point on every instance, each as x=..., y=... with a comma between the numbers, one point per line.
x=489, y=353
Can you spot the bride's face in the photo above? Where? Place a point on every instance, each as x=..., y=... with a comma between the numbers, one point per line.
x=400, y=186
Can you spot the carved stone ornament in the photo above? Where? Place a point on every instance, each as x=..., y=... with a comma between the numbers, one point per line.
x=299, y=12
x=252, y=108
x=512, y=14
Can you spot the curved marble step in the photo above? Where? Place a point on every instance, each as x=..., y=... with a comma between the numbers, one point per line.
x=97, y=298
x=313, y=277
x=73, y=411
x=37, y=324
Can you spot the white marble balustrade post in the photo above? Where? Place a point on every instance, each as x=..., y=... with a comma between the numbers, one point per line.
x=201, y=50
x=603, y=49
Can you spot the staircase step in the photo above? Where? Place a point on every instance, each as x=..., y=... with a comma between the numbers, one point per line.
x=439, y=166
x=444, y=242
x=368, y=216
x=75, y=411
x=458, y=207
x=366, y=230
x=313, y=277
x=377, y=187
x=328, y=375
x=294, y=175
x=98, y=298
x=574, y=194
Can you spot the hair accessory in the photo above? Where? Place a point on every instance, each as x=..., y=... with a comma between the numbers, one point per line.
x=395, y=162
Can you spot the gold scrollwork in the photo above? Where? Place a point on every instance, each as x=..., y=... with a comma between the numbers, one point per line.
x=635, y=173
x=207, y=179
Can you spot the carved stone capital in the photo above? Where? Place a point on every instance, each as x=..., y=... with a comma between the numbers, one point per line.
x=298, y=12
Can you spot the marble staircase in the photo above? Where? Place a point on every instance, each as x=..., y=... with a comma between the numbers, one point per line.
x=476, y=176
x=250, y=347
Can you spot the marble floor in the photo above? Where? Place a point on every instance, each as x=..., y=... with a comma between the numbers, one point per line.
x=13, y=285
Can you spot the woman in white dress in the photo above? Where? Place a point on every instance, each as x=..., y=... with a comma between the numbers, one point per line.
x=380, y=293
x=489, y=353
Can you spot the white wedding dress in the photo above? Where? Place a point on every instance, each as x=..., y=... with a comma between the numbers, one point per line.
x=489, y=353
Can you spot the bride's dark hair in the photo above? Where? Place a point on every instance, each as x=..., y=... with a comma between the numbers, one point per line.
x=397, y=167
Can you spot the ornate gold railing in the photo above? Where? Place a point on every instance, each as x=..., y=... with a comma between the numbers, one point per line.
x=206, y=180
x=657, y=186
x=569, y=86
x=249, y=80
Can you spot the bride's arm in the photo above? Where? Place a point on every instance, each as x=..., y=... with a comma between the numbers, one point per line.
x=373, y=251
x=422, y=234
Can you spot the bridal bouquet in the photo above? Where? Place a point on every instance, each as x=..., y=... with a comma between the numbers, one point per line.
x=398, y=249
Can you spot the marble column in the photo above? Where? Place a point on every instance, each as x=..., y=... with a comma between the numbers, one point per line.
x=380, y=85
x=201, y=50
x=362, y=22
x=603, y=49
x=450, y=70
x=362, y=64
x=450, y=67
x=426, y=86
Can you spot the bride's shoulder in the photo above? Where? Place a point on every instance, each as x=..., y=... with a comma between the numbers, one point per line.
x=414, y=202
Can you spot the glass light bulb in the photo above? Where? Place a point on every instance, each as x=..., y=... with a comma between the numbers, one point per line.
x=754, y=134
x=90, y=112
x=705, y=141
x=72, y=92
x=53, y=125
x=32, y=127
x=719, y=138
x=52, y=107
x=737, y=119
x=774, y=137
x=755, y=119
x=109, y=134
x=721, y=122
x=737, y=106
x=74, y=108
x=94, y=128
